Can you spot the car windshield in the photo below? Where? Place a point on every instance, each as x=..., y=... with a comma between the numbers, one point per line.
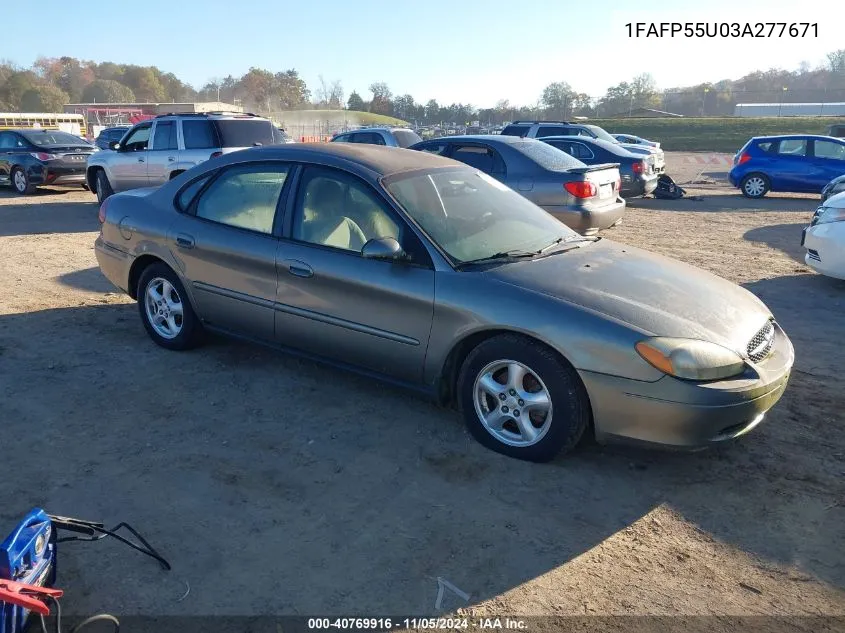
x=600, y=133
x=244, y=133
x=472, y=216
x=46, y=138
x=406, y=138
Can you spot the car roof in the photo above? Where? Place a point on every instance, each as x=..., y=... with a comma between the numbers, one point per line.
x=776, y=137
x=589, y=140
x=503, y=139
x=380, y=159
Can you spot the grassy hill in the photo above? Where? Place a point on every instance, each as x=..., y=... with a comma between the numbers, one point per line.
x=295, y=117
x=714, y=134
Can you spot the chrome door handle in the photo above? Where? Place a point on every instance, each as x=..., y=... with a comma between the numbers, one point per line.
x=185, y=241
x=170, y=159
x=140, y=160
x=300, y=269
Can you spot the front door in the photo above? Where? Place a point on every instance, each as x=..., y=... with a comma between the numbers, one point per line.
x=128, y=165
x=829, y=162
x=335, y=303
x=792, y=165
x=163, y=153
x=227, y=250
x=10, y=144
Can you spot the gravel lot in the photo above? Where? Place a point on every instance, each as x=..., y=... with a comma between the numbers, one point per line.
x=328, y=493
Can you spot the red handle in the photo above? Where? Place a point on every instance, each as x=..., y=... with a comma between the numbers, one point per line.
x=30, y=597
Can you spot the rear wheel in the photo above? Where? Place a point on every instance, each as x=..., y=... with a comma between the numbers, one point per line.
x=755, y=186
x=104, y=189
x=165, y=309
x=521, y=399
x=20, y=181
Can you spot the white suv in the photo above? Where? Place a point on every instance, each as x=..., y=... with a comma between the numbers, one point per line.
x=153, y=152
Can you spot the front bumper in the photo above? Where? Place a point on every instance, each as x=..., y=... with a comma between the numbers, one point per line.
x=589, y=221
x=825, y=244
x=685, y=414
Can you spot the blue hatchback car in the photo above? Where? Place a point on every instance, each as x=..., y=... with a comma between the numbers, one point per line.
x=797, y=163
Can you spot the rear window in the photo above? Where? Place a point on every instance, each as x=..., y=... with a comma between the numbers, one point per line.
x=547, y=157
x=516, y=130
x=406, y=138
x=552, y=130
x=199, y=135
x=47, y=138
x=244, y=133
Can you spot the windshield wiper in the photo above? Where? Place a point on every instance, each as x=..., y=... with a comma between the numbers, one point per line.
x=513, y=254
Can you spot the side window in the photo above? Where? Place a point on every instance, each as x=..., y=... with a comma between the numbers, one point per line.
x=767, y=147
x=551, y=130
x=829, y=149
x=7, y=141
x=793, y=147
x=564, y=147
x=479, y=157
x=342, y=138
x=245, y=197
x=434, y=148
x=137, y=139
x=338, y=210
x=582, y=152
x=186, y=197
x=378, y=138
x=165, y=135
x=198, y=134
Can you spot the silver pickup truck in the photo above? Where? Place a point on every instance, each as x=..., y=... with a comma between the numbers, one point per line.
x=154, y=151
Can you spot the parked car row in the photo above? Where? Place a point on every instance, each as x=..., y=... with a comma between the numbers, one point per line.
x=32, y=157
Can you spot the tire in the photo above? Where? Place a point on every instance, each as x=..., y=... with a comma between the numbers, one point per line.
x=184, y=330
x=20, y=181
x=104, y=189
x=557, y=428
x=755, y=186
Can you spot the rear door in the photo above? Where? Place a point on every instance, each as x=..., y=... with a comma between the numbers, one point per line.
x=199, y=141
x=792, y=166
x=226, y=243
x=128, y=165
x=163, y=153
x=9, y=145
x=828, y=161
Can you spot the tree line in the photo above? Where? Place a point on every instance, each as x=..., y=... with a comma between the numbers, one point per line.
x=52, y=82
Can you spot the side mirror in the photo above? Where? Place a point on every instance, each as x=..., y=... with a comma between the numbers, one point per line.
x=383, y=248
x=114, y=145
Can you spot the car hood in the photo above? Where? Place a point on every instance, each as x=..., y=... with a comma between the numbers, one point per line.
x=654, y=294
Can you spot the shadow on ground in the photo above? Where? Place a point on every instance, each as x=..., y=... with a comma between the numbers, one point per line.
x=783, y=237
x=90, y=279
x=333, y=493
x=718, y=201
x=51, y=216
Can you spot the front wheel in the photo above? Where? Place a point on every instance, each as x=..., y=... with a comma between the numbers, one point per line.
x=521, y=399
x=754, y=186
x=165, y=309
x=104, y=189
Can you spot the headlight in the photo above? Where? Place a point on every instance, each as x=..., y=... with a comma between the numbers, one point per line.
x=690, y=359
x=831, y=214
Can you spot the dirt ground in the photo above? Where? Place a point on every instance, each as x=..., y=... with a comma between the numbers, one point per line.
x=279, y=486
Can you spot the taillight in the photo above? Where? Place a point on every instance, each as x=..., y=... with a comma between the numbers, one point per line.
x=638, y=167
x=582, y=189
x=101, y=216
x=743, y=158
x=43, y=156
x=215, y=155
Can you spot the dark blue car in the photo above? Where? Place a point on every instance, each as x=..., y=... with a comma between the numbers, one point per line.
x=637, y=172
x=797, y=163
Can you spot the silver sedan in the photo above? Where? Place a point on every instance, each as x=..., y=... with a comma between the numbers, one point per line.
x=424, y=271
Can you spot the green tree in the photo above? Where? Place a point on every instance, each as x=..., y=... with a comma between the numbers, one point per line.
x=44, y=98
x=380, y=103
x=17, y=83
x=404, y=107
x=145, y=84
x=557, y=99
x=355, y=102
x=107, y=91
x=432, y=111
x=291, y=90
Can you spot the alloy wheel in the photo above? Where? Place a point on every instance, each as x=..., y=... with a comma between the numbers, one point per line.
x=163, y=307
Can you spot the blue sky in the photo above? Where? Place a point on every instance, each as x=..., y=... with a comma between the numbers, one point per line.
x=470, y=51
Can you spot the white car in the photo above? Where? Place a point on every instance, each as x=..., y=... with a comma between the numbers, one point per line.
x=824, y=239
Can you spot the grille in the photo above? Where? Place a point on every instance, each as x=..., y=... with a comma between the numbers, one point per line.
x=761, y=344
x=813, y=254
